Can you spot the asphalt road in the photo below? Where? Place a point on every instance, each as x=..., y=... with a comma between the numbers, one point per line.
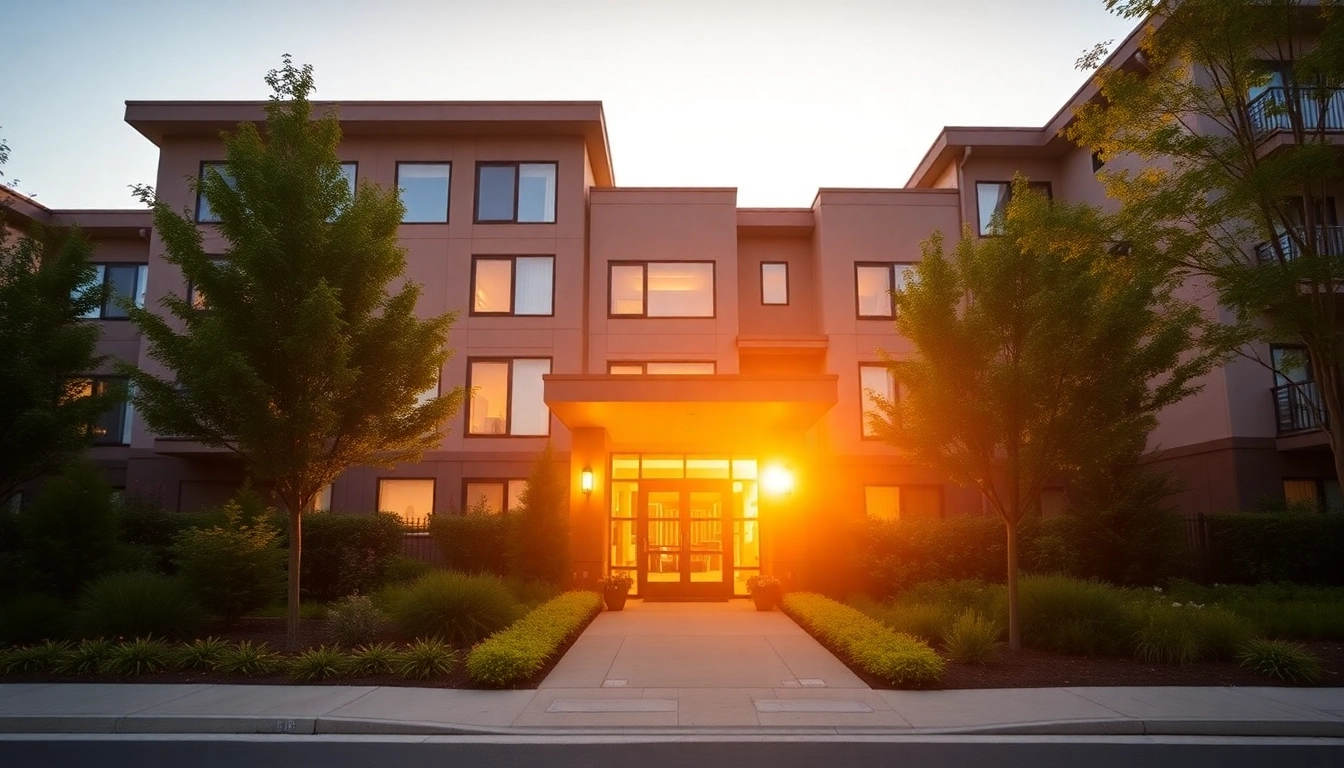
x=104, y=751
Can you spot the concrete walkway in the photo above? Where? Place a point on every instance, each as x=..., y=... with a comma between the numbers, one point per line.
x=691, y=668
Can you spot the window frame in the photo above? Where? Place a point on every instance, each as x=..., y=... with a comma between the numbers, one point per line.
x=215, y=258
x=513, y=283
x=894, y=270
x=100, y=381
x=109, y=299
x=517, y=190
x=644, y=266
x=901, y=497
x=448, y=204
x=508, y=401
x=1036, y=185
x=433, y=502
x=863, y=414
x=196, y=214
x=502, y=482
x=644, y=367
x=787, y=292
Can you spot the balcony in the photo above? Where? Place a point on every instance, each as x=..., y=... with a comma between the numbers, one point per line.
x=1298, y=408
x=1269, y=112
x=1327, y=241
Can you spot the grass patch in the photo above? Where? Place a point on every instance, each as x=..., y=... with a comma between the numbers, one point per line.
x=426, y=659
x=971, y=639
x=521, y=651
x=1281, y=660
x=893, y=657
x=321, y=663
x=142, y=656
x=454, y=607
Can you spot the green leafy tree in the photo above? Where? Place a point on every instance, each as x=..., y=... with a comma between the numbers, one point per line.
x=540, y=548
x=71, y=533
x=305, y=364
x=234, y=568
x=1038, y=356
x=1224, y=145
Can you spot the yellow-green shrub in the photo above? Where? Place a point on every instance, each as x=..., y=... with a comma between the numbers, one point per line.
x=894, y=657
x=516, y=654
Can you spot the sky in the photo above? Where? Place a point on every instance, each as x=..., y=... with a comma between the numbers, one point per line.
x=776, y=98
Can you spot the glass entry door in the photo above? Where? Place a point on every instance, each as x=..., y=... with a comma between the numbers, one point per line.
x=681, y=538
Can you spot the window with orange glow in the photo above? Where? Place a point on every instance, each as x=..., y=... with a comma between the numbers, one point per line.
x=661, y=369
x=410, y=499
x=512, y=285
x=874, y=284
x=113, y=427
x=874, y=382
x=674, y=289
x=774, y=282
x=492, y=496
x=507, y=397
x=903, y=502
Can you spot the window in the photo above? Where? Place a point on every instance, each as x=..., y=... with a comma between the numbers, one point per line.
x=322, y=500
x=123, y=281
x=774, y=282
x=490, y=496
x=113, y=427
x=992, y=199
x=1097, y=162
x=679, y=289
x=411, y=500
x=874, y=283
x=195, y=296
x=512, y=285
x=1290, y=363
x=903, y=502
x=874, y=381
x=424, y=191
x=624, y=368
x=506, y=397
x=515, y=192
x=206, y=216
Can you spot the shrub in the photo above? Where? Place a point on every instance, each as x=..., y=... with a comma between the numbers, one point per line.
x=454, y=607
x=204, y=654
x=142, y=656
x=30, y=618
x=1074, y=616
x=70, y=533
x=150, y=528
x=521, y=651
x=139, y=605
x=474, y=542
x=402, y=569
x=972, y=638
x=894, y=554
x=374, y=659
x=927, y=621
x=347, y=553
x=532, y=593
x=542, y=522
x=319, y=664
x=425, y=659
x=895, y=658
x=43, y=657
x=355, y=620
x=86, y=658
x=1251, y=547
x=234, y=568
x=1168, y=636
x=1281, y=660
x=250, y=660
x=1222, y=632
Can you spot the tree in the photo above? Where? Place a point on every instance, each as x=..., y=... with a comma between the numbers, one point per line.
x=1231, y=116
x=540, y=546
x=305, y=364
x=1039, y=356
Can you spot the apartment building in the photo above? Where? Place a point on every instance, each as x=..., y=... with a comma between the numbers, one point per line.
x=703, y=370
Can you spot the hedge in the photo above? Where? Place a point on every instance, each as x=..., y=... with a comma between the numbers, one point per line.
x=890, y=656
x=518, y=653
x=1254, y=547
x=474, y=543
x=346, y=553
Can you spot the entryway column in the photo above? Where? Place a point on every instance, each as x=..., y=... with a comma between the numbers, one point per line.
x=588, y=508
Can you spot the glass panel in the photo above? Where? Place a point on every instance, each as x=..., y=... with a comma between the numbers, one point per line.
x=882, y=502
x=536, y=192
x=623, y=369
x=528, y=414
x=141, y=284
x=712, y=468
x=740, y=581
x=744, y=469
x=625, y=467
x=707, y=567
x=349, y=171
x=1300, y=492
x=485, y=498
x=424, y=191
x=663, y=549
x=681, y=290
x=323, y=500
x=430, y=392
x=411, y=500
x=680, y=369
x=623, y=544
x=494, y=192
x=515, y=496
x=109, y=428
x=706, y=505
x=623, y=499
x=746, y=493
x=627, y=289
x=493, y=285
x=203, y=212
x=873, y=380
x=874, y=291
x=706, y=531
x=122, y=281
x=532, y=292
x=774, y=283
x=662, y=466
x=489, y=398
x=991, y=198
x=99, y=275
x=746, y=544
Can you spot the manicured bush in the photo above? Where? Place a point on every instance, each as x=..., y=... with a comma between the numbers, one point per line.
x=894, y=554
x=458, y=608
x=142, y=656
x=927, y=621
x=476, y=542
x=86, y=658
x=248, y=659
x=374, y=659
x=1168, y=636
x=1074, y=616
x=521, y=651
x=1281, y=660
x=70, y=533
x=43, y=657
x=1253, y=547
x=402, y=569
x=426, y=659
x=321, y=663
x=233, y=568
x=971, y=638
x=29, y=618
x=204, y=654
x=139, y=605
x=1275, y=610
x=896, y=658
x=147, y=526
x=347, y=553
x=542, y=523
x=355, y=620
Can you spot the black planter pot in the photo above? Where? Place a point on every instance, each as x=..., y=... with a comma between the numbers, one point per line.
x=615, y=598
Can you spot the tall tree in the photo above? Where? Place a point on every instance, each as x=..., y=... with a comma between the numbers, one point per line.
x=1038, y=356
x=1234, y=113
x=305, y=363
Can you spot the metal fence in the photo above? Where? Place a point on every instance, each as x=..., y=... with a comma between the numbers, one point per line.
x=1197, y=542
x=1318, y=109
x=418, y=544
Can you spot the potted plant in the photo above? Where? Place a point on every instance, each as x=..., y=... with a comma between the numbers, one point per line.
x=615, y=588
x=765, y=592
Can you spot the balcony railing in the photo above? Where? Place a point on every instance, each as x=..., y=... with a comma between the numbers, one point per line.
x=1327, y=241
x=1298, y=407
x=1320, y=110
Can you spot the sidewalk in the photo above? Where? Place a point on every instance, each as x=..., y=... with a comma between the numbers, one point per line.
x=676, y=669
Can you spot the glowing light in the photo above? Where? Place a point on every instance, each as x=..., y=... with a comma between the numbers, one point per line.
x=586, y=480
x=777, y=480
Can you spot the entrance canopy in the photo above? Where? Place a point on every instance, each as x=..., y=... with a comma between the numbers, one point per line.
x=726, y=412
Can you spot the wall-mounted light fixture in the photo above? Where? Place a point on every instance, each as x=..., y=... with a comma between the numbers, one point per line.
x=586, y=481
x=777, y=480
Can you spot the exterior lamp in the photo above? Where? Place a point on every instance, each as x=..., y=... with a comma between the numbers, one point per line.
x=777, y=480
x=586, y=481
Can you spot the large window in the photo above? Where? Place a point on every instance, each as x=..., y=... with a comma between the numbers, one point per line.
x=992, y=198
x=627, y=368
x=506, y=397
x=903, y=502
x=195, y=296
x=874, y=283
x=513, y=285
x=774, y=282
x=123, y=282
x=515, y=192
x=492, y=496
x=206, y=216
x=424, y=191
x=113, y=427
x=874, y=382
x=410, y=499
x=662, y=289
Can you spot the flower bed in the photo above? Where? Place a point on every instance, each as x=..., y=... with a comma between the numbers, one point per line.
x=518, y=653
x=893, y=657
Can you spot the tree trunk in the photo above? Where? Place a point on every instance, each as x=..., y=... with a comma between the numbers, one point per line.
x=1014, y=628
x=295, y=545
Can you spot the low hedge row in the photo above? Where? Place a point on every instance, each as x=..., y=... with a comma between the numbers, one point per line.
x=1256, y=547
x=516, y=654
x=894, y=657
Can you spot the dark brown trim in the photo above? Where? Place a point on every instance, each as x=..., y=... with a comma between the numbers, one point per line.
x=508, y=398
x=890, y=266
x=109, y=299
x=1214, y=446
x=378, y=494
x=863, y=421
x=787, y=288
x=713, y=289
x=196, y=214
x=502, y=482
x=516, y=164
x=1049, y=194
x=513, y=283
x=448, y=204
